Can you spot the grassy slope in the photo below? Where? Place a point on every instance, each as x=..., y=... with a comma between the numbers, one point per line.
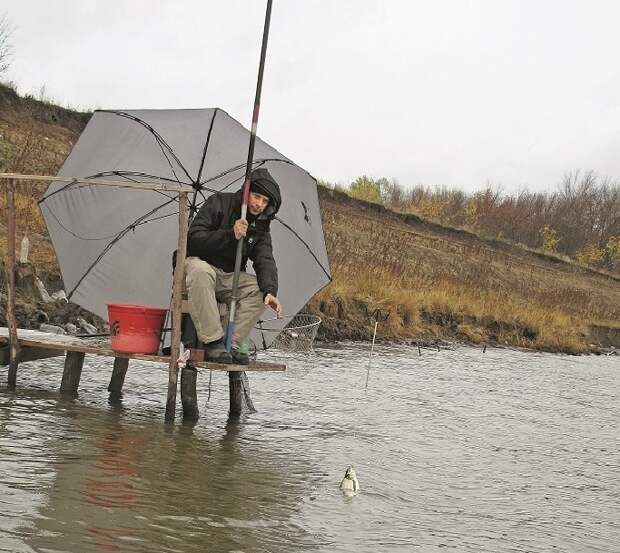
x=444, y=283
x=437, y=282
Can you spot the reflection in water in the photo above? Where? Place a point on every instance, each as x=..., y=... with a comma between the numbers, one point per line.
x=505, y=451
x=121, y=486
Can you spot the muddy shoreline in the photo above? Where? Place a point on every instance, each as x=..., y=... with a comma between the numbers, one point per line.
x=343, y=320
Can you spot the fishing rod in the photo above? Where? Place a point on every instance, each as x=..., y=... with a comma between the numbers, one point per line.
x=230, y=326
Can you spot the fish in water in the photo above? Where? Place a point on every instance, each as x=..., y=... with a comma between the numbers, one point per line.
x=349, y=484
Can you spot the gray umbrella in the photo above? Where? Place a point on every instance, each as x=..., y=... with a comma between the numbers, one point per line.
x=115, y=245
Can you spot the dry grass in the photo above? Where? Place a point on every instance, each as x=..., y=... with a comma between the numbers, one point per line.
x=29, y=222
x=34, y=138
x=30, y=144
x=436, y=282
x=444, y=285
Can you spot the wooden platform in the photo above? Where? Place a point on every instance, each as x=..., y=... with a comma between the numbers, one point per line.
x=35, y=344
x=28, y=345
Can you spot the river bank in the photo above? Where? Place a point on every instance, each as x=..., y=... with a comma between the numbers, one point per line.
x=441, y=283
x=343, y=319
x=438, y=283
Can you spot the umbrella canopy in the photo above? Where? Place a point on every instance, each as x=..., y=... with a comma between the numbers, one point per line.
x=114, y=245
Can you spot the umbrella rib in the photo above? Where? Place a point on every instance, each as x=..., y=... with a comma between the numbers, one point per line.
x=230, y=170
x=204, y=152
x=73, y=233
x=305, y=244
x=128, y=174
x=174, y=214
x=119, y=173
x=62, y=189
x=105, y=173
x=192, y=207
x=232, y=182
x=80, y=185
x=163, y=145
x=257, y=162
x=116, y=239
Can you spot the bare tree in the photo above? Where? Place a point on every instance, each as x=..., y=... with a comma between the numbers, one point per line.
x=6, y=49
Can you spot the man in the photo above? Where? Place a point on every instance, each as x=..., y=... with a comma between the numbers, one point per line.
x=209, y=268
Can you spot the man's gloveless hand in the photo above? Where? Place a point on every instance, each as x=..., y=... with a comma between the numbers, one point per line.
x=274, y=303
x=240, y=228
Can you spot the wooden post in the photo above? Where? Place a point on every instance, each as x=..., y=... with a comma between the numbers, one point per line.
x=10, y=278
x=74, y=361
x=189, y=399
x=118, y=375
x=235, y=390
x=179, y=275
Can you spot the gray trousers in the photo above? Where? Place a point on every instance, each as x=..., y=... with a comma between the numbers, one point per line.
x=208, y=285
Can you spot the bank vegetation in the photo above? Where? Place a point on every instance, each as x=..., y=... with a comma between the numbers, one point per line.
x=534, y=270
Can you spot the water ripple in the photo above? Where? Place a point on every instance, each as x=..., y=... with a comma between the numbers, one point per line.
x=506, y=451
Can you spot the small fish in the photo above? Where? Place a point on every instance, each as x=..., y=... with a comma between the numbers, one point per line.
x=349, y=484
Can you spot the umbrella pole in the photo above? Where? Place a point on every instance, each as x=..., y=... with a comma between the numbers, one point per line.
x=246, y=183
x=10, y=279
x=179, y=274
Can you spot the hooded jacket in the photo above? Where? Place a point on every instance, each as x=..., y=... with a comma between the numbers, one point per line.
x=212, y=239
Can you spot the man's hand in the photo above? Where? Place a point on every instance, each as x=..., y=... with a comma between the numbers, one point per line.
x=240, y=228
x=274, y=303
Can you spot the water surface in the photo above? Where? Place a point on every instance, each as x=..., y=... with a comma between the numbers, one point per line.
x=504, y=451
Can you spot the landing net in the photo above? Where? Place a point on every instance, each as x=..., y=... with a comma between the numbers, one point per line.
x=298, y=335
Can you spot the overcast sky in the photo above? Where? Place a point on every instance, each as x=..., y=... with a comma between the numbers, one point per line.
x=456, y=93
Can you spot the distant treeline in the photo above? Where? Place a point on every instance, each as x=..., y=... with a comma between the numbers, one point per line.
x=581, y=219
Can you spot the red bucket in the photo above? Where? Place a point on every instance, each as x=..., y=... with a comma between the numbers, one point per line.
x=135, y=328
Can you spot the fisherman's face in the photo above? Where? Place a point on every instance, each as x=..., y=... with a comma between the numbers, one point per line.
x=257, y=203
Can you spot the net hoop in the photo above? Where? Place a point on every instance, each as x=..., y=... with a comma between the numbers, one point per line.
x=297, y=335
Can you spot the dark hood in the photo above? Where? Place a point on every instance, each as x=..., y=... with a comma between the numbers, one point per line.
x=262, y=182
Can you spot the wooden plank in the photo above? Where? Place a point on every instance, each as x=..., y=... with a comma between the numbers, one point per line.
x=10, y=279
x=62, y=343
x=39, y=335
x=177, y=287
x=149, y=185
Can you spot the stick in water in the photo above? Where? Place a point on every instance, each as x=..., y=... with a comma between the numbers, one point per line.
x=372, y=348
x=377, y=315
